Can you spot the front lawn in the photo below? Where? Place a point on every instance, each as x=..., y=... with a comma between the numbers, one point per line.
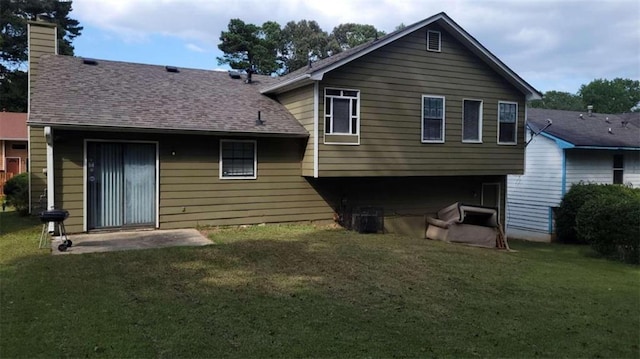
x=300, y=291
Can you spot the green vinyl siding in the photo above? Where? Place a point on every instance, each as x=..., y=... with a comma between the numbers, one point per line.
x=42, y=40
x=300, y=103
x=191, y=192
x=37, y=166
x=392, y=81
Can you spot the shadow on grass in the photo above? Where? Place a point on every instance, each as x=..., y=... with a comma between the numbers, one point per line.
x=300, y=291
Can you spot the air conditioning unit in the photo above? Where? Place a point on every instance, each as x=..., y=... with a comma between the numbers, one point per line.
x=368, y=220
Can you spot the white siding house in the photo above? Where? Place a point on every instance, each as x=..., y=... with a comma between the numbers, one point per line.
x=569, y=151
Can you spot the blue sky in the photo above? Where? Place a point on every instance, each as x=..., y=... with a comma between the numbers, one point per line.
x=553, y=45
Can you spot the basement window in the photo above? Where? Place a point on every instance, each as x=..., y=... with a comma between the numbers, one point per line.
x=434, y=40
x=238, y=159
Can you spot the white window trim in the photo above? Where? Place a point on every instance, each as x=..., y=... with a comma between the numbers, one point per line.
x=479, y=140
x=331, y=118
x=439, y=40
x=255, y=161
x=515, y=130
x=444, y=116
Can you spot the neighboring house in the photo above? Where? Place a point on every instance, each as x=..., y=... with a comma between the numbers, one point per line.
x=13, y=145
x=576, y=147
x=410, y=122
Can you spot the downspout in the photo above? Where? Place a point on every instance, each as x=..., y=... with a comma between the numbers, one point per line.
x=564, y=172
x=48, y=135
x=316, y=100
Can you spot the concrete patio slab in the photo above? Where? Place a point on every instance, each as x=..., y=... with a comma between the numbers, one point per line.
x=122, y=241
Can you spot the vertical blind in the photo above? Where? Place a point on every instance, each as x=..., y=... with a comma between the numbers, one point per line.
x=121, y=184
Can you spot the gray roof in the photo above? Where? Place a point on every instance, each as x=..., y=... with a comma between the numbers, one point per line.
x=304, y=75
x=136, y=96
x=596, y=130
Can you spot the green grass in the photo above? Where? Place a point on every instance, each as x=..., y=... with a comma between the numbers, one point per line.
x=300, y=291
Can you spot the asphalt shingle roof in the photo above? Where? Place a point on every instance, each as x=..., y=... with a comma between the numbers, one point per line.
x=588, y=130
x=128, y=95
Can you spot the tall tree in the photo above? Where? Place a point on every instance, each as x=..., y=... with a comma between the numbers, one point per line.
x=559, y=100
x=304, y=41
x=351, y=35
x=248, y=46
x=611, y=96
x=14, y=15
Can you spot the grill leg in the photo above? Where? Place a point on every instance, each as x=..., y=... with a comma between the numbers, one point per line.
x=62, y=232
x=44, y=235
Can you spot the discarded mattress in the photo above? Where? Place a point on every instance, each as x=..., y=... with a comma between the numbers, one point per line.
x=474, y=225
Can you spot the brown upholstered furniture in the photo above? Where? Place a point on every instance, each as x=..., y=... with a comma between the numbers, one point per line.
x=467, y=224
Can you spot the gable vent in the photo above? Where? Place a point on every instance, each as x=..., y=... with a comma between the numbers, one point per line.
x=433, y=40
x=88, y=61
x=171, y=69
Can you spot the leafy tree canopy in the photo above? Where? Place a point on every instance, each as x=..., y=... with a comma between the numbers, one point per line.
x=305, y=41
x=559, y=100
x=615, y=96
x=248, y=46
x=606, y=96
x=271, y=49
x=351, y=35
x=14, y=15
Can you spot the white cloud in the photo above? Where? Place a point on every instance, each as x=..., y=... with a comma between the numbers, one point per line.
x=194, y=48
x=551, y=43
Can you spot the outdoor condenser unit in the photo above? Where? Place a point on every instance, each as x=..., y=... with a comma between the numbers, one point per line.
x=368, y=220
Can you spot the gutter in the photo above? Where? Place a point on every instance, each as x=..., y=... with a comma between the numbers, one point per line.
x=196, y=132
x=286, y=83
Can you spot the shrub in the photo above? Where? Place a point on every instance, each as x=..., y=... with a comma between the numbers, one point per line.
x=573, y=200
x=611, y=225
x=16, y=191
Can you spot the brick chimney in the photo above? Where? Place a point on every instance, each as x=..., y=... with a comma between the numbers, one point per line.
x=42, y=39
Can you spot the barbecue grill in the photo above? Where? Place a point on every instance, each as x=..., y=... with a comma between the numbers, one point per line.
x=57, y=217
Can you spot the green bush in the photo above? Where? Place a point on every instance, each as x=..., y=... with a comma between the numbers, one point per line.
x=16, y=191
x=573, y=200
x=611, y=225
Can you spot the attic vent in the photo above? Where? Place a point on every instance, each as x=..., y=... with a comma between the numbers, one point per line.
x=171, y=69
x=234, y=74
x=88, y=61
x=433, y=41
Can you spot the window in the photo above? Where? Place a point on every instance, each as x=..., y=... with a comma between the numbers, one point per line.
x=471, y=121
x=432, y=118
x=18, y=146
x=618, y=169
x=507, y=122
x=238, y=159
x=433, y=40
x=341, y=111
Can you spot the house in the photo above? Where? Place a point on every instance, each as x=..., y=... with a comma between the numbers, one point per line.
x=571, y=147
x=408, y=123
x=13, y=145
